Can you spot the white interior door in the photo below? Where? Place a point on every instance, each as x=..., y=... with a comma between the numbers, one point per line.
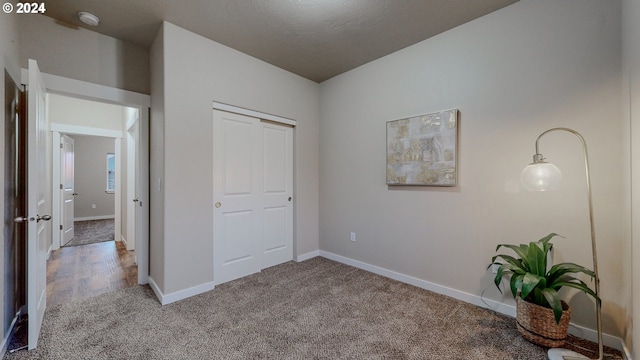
x=277, y=238
x=253, y=187
x=39, y=233
x=237, y=188
x=68, y=188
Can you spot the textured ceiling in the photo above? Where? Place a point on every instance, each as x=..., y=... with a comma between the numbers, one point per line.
x=316, y=39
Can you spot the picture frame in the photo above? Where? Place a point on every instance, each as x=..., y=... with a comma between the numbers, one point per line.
x=422, y=150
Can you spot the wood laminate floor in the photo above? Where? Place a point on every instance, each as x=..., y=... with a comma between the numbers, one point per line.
x=79, y=272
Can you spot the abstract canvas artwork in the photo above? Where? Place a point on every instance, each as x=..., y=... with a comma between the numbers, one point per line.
x=421, y=150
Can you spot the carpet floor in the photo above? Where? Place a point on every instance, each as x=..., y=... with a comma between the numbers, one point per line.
x=92, y=231
x=316, y=309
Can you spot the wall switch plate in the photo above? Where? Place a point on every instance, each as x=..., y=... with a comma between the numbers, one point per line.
x=93, y=206
x=353, y=236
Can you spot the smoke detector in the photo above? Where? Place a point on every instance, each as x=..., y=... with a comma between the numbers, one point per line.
x=88, y=18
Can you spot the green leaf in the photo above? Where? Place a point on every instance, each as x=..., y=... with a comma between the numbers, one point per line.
x=520, y=250
x=548, y=238
x=509, y=259
x=537, y=259
x=566, y=268
x=529, y=282
x=553, y=298
x=515, y=284
x=580, y=285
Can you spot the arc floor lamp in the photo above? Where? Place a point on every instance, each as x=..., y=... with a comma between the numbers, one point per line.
x=542, y=176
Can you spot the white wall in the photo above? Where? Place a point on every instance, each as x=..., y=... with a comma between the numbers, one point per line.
x=631, y=104
x=81, y=54
x=196, y=72
x=78, y=112
x=90, y=177
x=514, y=73
x=9, y=60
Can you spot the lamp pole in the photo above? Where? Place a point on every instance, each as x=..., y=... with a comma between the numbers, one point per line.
x=538, y=158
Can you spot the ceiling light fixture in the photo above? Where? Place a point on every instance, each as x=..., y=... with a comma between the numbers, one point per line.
x=88, y=18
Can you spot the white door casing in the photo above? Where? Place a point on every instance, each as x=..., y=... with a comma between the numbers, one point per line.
x=142, y=186
x=101, y=93
x=252, y=188
x=39, y=233
x=132, y=191
x=67, y=156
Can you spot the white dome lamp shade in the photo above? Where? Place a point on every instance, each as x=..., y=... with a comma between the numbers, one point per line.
x=88, y=18
x=540, y=175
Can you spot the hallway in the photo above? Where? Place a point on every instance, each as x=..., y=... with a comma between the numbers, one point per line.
x=79, y=272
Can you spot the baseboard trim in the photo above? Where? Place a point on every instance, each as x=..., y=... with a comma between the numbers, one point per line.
x=124, y=241
x=166, y=299
x=307, y=256
x=87, y=218
x=505, y=309
x=626, y=354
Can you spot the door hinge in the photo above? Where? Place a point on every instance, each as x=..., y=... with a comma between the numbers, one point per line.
x=60, y=227
x=60, y=186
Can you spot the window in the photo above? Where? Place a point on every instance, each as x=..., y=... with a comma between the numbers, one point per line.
x=111, y=173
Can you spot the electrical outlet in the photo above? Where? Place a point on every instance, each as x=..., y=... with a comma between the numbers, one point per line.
x=494, y=268
x=93, y=206
x=353, y=236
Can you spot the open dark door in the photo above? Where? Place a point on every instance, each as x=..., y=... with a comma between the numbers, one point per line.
x=14, y=236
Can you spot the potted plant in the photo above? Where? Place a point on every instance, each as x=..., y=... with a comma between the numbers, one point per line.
x=541, y=316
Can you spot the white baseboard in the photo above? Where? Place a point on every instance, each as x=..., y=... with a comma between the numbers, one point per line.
x=156, y=289
x=124, y=241
x=179, y=295
x=307, y=256
x=496, y=306
x=626, y=354
x=87, y=218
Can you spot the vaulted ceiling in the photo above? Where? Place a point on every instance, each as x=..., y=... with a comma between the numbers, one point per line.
x=316, y=39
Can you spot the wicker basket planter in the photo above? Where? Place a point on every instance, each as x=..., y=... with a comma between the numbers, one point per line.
x=537, y=324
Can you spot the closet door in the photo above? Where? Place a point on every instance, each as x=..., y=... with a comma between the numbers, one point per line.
x=237, y=183
x=277, y=238
x=252, y=189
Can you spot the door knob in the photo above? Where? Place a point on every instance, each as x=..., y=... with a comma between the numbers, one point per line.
x=136, y=200
x=74, y=194
x=43, y=218
x=20, y=219
x=218, y=204
x=289, y=198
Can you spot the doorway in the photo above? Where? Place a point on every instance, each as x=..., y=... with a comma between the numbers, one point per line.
x=40, y=167
x=126, y=185
x=102, y=176
x=87, y=190
x=129, y=104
